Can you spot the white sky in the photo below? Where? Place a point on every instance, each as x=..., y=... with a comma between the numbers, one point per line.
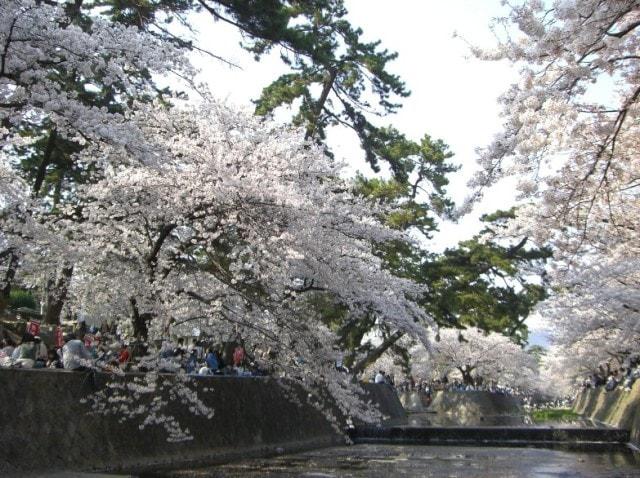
x=454, y=96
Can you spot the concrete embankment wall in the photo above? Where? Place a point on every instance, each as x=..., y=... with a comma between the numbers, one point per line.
x=386, y=400
x=44, y=426
x=479, y=402
x=618, y=408
x=464, y=408
x=413, y=401
x=475, y=408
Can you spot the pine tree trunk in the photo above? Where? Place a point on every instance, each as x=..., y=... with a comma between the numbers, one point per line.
x=376, y=353
x=46, y=160
x=326, y=89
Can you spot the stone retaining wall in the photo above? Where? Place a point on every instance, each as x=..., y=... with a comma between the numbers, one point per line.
x=618, y=408
x=476, y=408
x=385, y=399
x=44, y=425
x=414, y=402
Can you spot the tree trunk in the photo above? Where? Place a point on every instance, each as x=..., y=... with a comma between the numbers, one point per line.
x=5, y=291
x=57, y=295
x=46, y=160
x=375, y=354
x=326, y=89
x=467, y=379
x=140, y=329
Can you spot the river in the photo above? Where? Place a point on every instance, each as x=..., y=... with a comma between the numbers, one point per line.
x=427, y=461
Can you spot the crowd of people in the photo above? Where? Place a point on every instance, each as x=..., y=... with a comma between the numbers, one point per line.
x=75, y=354
x=201, y=358
x=82, y=351
x=429, y=386
x=86, y=349
x=611, y=378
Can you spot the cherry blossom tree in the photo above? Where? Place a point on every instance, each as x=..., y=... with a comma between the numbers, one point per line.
x=240, y=214
x=189, y=217
x=490, y=357
x=474, y=355
x=571, y=137
x=233, y=224
x=40, y=45
x=66, y=85
x=594, y=318
x=570, y=123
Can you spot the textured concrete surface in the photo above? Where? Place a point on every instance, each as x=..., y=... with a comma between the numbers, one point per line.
x=462, y=406
x=378, y=461
x=386, y=400
x=414, y=402
x=618, y=408
x=475, y=408
x=491, y=436
x=45, y=427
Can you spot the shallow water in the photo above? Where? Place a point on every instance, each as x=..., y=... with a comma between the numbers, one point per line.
x=426, y=461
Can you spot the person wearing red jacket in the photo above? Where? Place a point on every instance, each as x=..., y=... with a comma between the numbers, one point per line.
x=238, y=356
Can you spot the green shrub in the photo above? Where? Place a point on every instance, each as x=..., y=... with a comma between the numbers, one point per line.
x=22, y=298
x=553, y=415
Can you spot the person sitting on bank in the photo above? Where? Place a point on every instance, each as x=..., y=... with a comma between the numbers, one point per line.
x=611, y=383
x=54, y=358
x=204, y=370
x=42, y=354
x=75, y=355
x=124, y=356
x=238, y=356
x=24, y=356
x=6, y=350
x=107, y=358
x=212, y=360
x=192, y=362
